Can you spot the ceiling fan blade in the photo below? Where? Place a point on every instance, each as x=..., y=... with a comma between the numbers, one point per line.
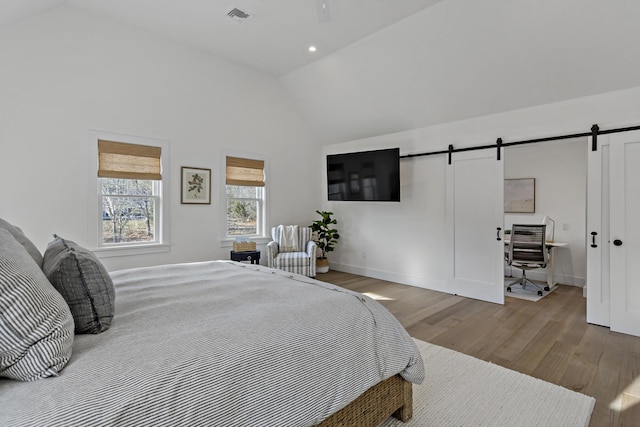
x=323, y=11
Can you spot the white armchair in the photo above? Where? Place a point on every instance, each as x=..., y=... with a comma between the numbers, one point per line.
x=299, y=256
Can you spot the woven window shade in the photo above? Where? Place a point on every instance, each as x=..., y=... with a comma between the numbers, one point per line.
x=245, y=172
x=128, y=161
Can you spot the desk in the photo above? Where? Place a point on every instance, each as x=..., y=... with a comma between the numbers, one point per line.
x=551, y=248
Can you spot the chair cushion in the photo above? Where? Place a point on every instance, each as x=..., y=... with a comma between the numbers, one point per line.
x=36, y=326
x=23, y=240
x=292, y=259
x=83, y=282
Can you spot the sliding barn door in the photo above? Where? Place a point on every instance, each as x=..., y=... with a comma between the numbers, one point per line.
x=625, y=232
x=613, y=233
x=598, y=284
x=474, y=198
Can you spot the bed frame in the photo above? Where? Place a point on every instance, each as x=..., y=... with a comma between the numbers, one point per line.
x=391, y=397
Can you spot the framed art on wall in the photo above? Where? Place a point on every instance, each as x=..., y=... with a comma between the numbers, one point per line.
x=195, y=186
x=520, y=195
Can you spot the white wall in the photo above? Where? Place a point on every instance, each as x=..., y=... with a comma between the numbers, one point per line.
x=404, y=241
x=66, y=72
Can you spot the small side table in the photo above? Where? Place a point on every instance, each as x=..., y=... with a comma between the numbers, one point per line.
x=253, y=256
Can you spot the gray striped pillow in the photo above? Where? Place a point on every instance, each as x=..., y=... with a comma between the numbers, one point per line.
x=36, y=326
x=83, y=282
x=23, y=240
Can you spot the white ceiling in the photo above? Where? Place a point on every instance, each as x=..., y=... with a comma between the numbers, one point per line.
x=275, y=38
x=374, y=75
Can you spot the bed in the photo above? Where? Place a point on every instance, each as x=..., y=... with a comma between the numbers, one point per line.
x=227, y=344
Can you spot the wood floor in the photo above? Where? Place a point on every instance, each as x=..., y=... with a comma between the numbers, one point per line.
x=548, y=339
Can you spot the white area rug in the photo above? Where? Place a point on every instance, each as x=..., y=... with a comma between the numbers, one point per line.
x=530, y=293
x=460, y=390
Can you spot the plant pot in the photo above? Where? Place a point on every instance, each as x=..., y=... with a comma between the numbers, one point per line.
x=322, y=265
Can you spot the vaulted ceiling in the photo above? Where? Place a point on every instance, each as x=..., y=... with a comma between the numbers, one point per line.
x=385, y=66
x=274, y=38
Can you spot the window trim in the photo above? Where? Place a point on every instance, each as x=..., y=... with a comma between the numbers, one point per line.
x=94, y=210
x=264, y=235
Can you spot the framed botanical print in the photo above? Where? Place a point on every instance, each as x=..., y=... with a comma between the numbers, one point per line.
x=195, y=186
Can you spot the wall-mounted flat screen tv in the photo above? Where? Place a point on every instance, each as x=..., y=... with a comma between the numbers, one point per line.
x=364, y=176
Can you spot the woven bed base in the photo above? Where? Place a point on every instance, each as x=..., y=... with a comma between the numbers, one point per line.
x=393, y=396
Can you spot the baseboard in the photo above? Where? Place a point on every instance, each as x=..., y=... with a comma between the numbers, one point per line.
x=440, y=285
x=435, y=285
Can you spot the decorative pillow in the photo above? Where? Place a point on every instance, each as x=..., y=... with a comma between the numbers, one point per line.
x=36, y=326
x=23, y=240
x=83, y=282
x=287, y=238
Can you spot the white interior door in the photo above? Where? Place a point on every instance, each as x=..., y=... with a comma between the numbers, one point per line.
x=475, y=192
x=625, y=232
x=598, y=283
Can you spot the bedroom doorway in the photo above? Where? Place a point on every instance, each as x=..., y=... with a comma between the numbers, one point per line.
x=559, y=168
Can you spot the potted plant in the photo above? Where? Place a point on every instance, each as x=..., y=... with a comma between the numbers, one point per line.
x=326, y=237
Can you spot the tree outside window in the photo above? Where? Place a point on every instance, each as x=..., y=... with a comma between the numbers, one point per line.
x=128, y=211
x=244, y=207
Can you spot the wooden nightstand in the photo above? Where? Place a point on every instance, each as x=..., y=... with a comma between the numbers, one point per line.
x=253, y=256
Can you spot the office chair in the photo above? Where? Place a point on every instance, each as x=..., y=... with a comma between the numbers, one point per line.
x=527, y=251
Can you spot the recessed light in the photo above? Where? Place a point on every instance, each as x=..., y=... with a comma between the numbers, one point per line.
x=312, y=49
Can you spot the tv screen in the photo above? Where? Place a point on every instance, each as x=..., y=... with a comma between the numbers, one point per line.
x=364, y=176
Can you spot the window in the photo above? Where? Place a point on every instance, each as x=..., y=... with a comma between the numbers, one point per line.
x=129, y=194
x=245, y=195
x=128, y=211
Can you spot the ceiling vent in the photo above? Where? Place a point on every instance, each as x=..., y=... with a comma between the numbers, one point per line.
x=238, y=15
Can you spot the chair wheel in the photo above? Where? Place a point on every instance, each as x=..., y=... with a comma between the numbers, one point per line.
x=546, y=288
x=539, y=293
x=508, y=288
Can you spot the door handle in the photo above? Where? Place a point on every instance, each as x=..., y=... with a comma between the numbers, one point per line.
x=593, y=239
x=498, y=233
x=617, y=242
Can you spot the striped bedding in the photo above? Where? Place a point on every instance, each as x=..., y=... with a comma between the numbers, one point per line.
x=219, y=344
